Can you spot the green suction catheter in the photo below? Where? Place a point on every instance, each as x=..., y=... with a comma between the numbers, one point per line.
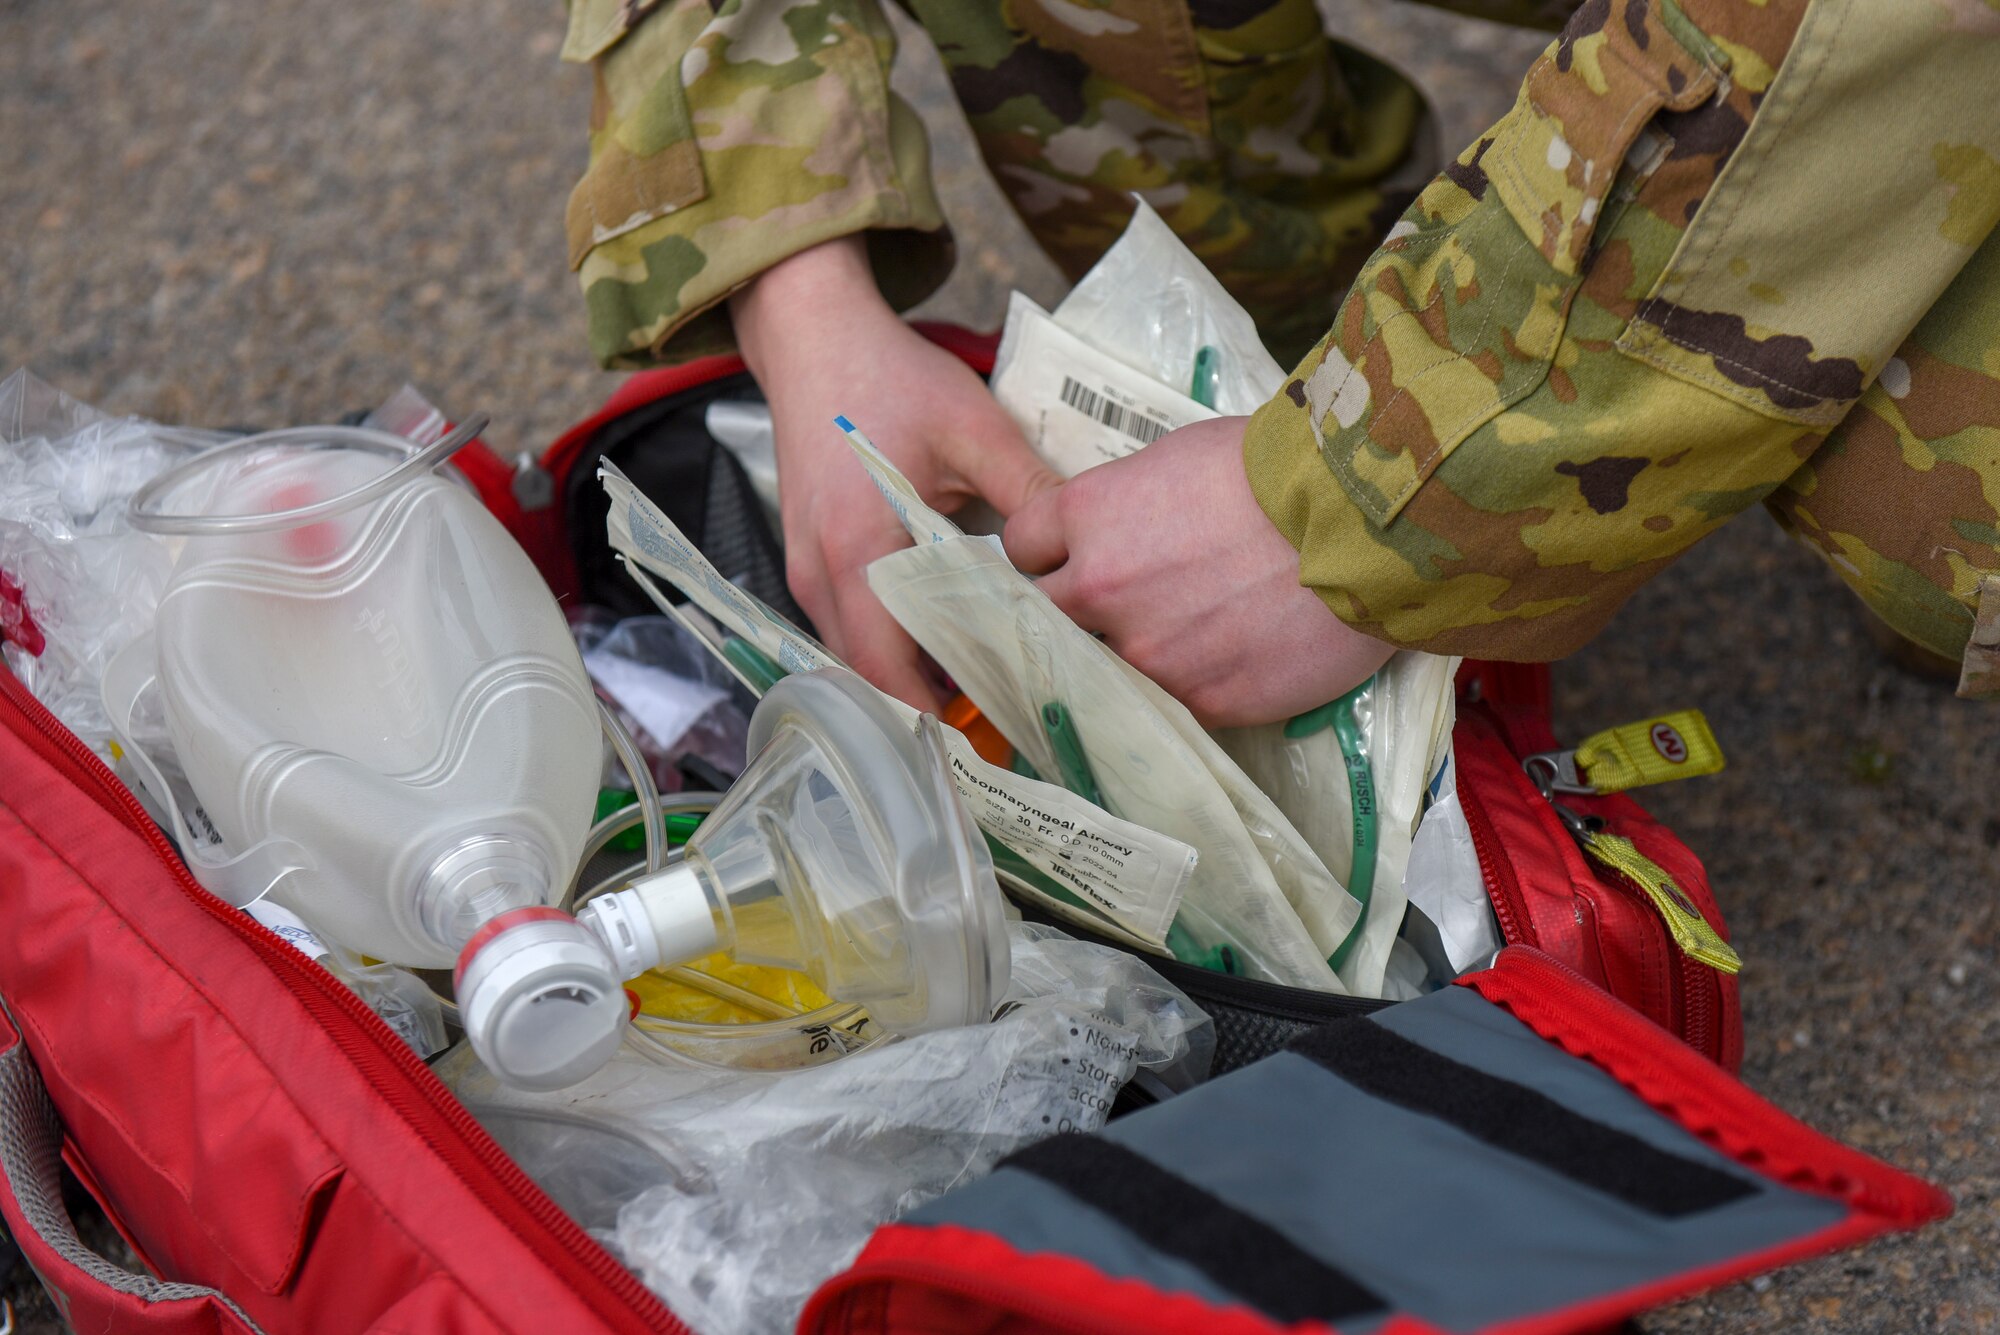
x=1339, y=715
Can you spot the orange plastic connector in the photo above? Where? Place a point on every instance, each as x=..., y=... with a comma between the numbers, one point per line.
x=993, y=748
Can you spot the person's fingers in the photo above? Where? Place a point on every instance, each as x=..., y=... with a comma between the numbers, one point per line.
x=1035, y=538
x=806, y=578
x=880, y=650
x=1064, y=589
x=993, y=460
x=1011, y=479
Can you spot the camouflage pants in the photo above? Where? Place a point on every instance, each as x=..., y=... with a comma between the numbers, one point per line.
x=728, y=136
x=1718, y=253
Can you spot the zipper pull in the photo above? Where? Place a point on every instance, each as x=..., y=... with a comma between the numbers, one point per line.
x=1655, y=750
x=1691, y=932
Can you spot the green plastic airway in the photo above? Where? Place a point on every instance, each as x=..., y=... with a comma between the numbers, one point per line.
x=1339, y=715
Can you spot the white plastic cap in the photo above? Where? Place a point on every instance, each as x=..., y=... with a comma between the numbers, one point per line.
x=663, y=920
x=540, y=999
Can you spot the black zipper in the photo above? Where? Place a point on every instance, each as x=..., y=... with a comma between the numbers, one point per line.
x=1298, y=1004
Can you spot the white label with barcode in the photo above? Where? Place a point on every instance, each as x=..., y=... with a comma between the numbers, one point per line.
x=1079, y=407
x=1103, y=405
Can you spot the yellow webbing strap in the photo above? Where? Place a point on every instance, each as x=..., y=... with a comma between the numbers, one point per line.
x=1655, y=750
x=1691, y=931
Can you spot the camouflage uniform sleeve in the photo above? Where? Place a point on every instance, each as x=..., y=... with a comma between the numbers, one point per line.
x=725, y=137
x=1632, y=309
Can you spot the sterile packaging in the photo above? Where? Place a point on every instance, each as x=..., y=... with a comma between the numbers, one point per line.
x=1260, y=898
x=1147, y=342
x=734, y=1195
x=1402, y=720
x=1077, y=405
x=1013, y=653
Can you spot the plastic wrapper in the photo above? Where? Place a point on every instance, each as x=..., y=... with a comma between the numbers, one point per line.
x=1155, y=306
x=1405, y=716
x=1267, y=900
x=1451, y=914
x=672, y=694
x=734, y=1196
x=77, y=582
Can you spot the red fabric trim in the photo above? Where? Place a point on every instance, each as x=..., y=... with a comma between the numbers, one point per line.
x=1582, y=1020
x=917, y=1278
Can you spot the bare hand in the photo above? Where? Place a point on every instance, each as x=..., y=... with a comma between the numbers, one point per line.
x=822, y=342
x=1166, y=554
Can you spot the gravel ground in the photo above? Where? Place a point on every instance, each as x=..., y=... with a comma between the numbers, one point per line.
x=228, y=212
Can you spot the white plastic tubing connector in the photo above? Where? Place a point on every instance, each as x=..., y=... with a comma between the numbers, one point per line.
x=659, y=922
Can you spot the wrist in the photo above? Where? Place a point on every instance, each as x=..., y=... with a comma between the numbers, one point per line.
x=805, y=300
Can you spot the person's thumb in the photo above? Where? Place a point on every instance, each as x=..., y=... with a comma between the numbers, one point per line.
x=998, y=464
x=1034, y=537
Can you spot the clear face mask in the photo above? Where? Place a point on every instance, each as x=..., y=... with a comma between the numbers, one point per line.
x=843, y=853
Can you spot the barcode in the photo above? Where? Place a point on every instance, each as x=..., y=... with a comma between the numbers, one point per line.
x=1114, y=415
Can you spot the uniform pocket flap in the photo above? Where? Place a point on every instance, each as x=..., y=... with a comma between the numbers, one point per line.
x=1461, y=311
x=1583, y=103
x=644, y=162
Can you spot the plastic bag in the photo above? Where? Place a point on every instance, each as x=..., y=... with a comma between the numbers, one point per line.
x=1451, y=914
x=734, y=1196
x=661, y=677
x=1155, y=306
x=77, y=583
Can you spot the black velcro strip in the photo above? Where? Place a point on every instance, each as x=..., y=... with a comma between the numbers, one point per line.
x=1518, y=1120
x=1173, y=1216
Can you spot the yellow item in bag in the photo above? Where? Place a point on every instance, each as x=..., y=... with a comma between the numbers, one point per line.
x=739, y=993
